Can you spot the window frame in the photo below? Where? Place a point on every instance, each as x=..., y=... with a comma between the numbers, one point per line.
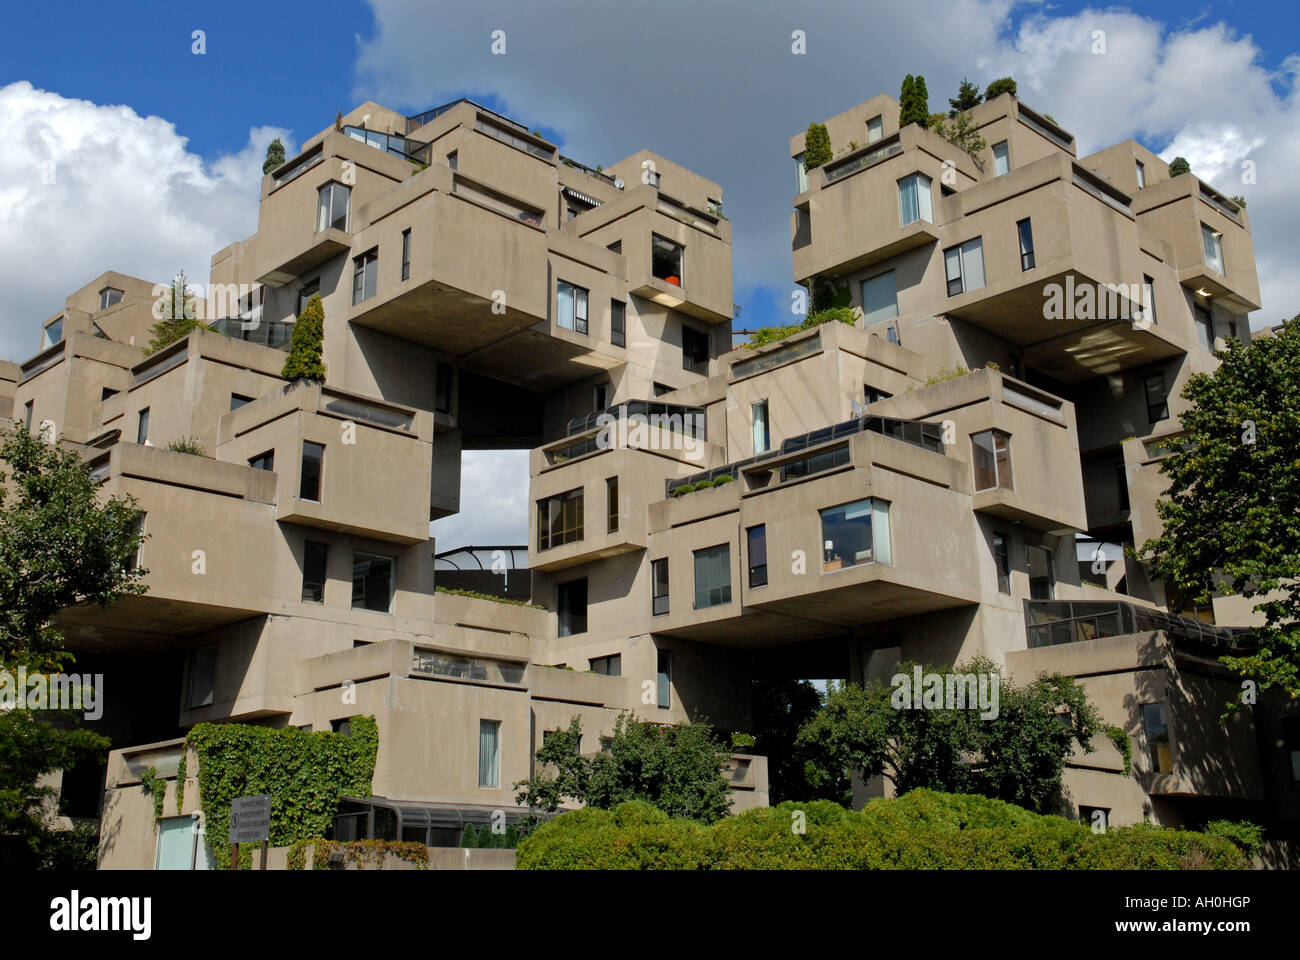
x=571, y=529
x=1213, y=259
x=960, y=251
x=392, y=581
x=566, y=617
x=1025, y=236
x=924, y=209
x=722, y=590
x=308, y=569
x=406, y=254
x=879, y=533
x=263, y=461
x=142, y=426
x=1141, y=173
x=365, y=276
x=756, y=534
x=1001, y=544
x=697, y=350
x=489, y=778
x=763, y=441
x=1154, y=739
x=106, y=298
x=999, y=450
x=618, y=323
x=320, y=472
x=872, y=282
x=1005, y=160
x=1161, y=406
x=659, y=576
x=611, y=504
x=1051, y=570
x=325, y=218
x=680, y=251
x=579, y=297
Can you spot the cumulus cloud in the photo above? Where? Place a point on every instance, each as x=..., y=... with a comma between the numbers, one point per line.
x=88, y=187
x=493, y=501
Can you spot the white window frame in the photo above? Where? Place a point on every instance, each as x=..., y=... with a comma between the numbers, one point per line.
x=923, y=187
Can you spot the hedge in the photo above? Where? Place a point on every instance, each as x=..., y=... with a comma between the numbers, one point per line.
x=923, y=830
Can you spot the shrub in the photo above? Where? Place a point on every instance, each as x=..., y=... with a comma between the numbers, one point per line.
x=1246, y=836
x=765, y=335
x=723, y=480
x=274, y=156
x=188, y=445
x=816, y=147
x=1179, y=167
x=685, y=488
x=307, y=344
x=998, y=87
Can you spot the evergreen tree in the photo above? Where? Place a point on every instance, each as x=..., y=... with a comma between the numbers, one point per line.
x=179, y=316
x=817, y=146
x=305, y=348
x=906, y=99
x=921, y=102
x=968, y=97
x=1179, y=167
x=998, y=87
x=274, y=155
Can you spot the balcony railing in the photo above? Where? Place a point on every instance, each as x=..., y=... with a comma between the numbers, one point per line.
x=691, y=419
x=881, y=152
x=275, y=334
x=1049, y=622
x=389, y=143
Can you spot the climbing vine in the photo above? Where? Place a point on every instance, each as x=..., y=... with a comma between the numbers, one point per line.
x=180, y=781
x=1124, y=744
x=304, y=772
x=361, y=854
x=150, y=780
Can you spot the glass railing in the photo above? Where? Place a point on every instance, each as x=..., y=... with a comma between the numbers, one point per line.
x=774, y=358
x=671, y=416
x=518, y=142
x=358, y=410
x=268, y=333
x=1051, y=622
x=389, y=143
x=842, y=168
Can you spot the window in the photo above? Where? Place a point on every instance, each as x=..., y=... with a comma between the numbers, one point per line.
x=559, y=519
x=263, y=461
x=1042, y=581
x=991, y=455
x=1204, y=322
x=571, y=607
x=756, y=538
x=870, y=394
x=1121, y=485
x=29, y=407
x=879, y=298
x=489, y=753
x=695, y=350
x=964, y=266
x=442, y=388
x=712, y=576
x=1155, y=724
x=136, y=559
x=618, y=323
x=1002, y=561
x=106, y=392
x=203, y=677
x=855, y=533
x=1141, y=174
x=875, y=129
x=313, y=456
x=332, y=202
x=1026, y=232
x=142, y=426
x=1001, y=159
x=661, y=388
x=659, y=586
x=305, y=293
x=800, y=175
x=453, y=159
x=914, y=202
x=762, y=432
x=406, y=254
x=1213, y=242
x=611, y=666
x=365, y=276
x=342, y=726
x=666, y=260
x=107, y=297
x=1157, y=398
x=664, y=669
x=314, y=557
x=1148, y=299
x=372, y=582
x=238, y=400
x=611, y=504
x=1096, y=819
x=600, y=396
x=815, y=463
x=571, y=307
x=53, y=333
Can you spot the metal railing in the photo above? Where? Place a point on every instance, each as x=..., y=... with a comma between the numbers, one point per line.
x=1050, y=622
x=839, y=169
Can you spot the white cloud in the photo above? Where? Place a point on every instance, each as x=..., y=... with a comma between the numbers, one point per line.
x=88, y=188
x=493, y=501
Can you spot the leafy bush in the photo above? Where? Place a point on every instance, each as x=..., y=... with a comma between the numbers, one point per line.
x=765, y=335
x=1246, y=836
x=723, y=480
x=684, y=489
x=998, y=87
x=816, y=147
x=922, y=830
x=188, y=445
x=474, y=594
x=1179, y=167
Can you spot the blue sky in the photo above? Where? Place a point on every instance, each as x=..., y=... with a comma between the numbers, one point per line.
x=110, y=124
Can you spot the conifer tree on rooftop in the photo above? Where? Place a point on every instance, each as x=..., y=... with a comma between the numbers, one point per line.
x=274, y=156
x=817, y=146
x=304, y=361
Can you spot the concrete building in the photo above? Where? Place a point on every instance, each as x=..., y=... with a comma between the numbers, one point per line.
x=953, y=475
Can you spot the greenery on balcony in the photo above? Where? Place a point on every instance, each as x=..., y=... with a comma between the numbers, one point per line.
x=475, y=595
x=1179, y=166
x=817, y=146
x=274, y=156
x=179, y=316
x=704, y=484
x=188, y=445
x=765, y=335
x=913, y=102
x=304, y=361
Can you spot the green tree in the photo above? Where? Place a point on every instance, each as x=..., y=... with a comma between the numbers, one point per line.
x=274, y=156
x=781, y=708
x=1179, y=167
x=998, y=87
x=1231, y=511
x=60, y=546
x=961, y=131
x=678, y=769
x=308, y=342
x=1016, y=756
x=968, y=97
x=913, y=102
x=179, y=316
x=816, y=147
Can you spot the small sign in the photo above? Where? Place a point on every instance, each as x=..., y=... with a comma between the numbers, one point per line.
x=250, y=819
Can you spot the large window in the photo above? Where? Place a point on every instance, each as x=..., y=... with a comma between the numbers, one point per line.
x=1026, y=233
x=107, y=297
x=1001, y=159
x=695, y=350
x=991, y=455
x=1155, y=724
x=659, y=586
x=1157, y=397
x=666, y=260
x=313, y=460
x=618, y=323
x=1213, y=242
x=489, y=753
x=1002, y=561
x=879, y=298
x=559, y=519
x=611, y=504
x=365, y=276
x=571, y=607
x=1042, y=580
x=332, y=207
x=762, y=431
x=664, y=670
x=855, y=533
x=314, y=559
x=914, y=199
x=757, y=550
x=611, y=666
x=1204, y=322
x=406, y=254
x=571, y=307
x=964, y=266
x=372, y=582
x=712, y=576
